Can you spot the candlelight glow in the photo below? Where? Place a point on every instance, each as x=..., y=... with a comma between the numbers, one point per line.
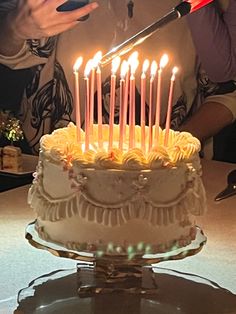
x=164, y=61
x=96, y=59
x=145, y=65
x=174, y=71
x=115, y=65
x=88, y=67
x=77, y=64
x=154, y=67
x=134, y=65
x=132, y=57
x=124, y=69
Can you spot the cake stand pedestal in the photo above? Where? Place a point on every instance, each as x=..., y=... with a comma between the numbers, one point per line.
x=100, y=278
x=113, y=272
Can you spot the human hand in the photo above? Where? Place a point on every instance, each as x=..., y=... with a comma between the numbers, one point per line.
x=35, y=19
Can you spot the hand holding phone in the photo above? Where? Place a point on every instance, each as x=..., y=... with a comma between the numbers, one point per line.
x=44, y=20
x=71, y=5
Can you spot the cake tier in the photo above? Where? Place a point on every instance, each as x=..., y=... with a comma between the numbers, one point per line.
x=94, y=209
x=117, y=200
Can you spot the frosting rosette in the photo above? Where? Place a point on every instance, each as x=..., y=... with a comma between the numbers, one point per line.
x=184, y=147
x=86, y=159
x=134, y=159
x=158, y=157
x=111, y=159
x=62, y=145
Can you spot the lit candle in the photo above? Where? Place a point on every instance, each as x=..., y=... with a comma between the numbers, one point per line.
x=97, y=59
x=95, y=62
x=77, y=97
x=134, y=65
x=126, y=95
x=115, y=66
x=122, y=119
x=154, y=67
x=91, y=97
x=163, y=63
x=143, y=103
x=87, y=121
x=170, y=101
x=127, y=87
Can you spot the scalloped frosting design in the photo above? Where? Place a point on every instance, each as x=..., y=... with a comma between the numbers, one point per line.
x=61, y=145
x=113, y=197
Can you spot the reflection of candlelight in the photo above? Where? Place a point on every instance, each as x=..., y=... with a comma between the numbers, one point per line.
x=87, y=121
x=170, y=100
x=143, y=102
x=134, y=65
x=152, y=77
x=97, y=58
x=77, y=97
x=163, y=63
x=122, y=119
x=115, y=66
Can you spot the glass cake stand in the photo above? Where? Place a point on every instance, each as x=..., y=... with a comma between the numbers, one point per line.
x=179, y=293
x=107, y=273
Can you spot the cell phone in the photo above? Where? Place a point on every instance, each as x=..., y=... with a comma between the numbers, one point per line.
x=71, y=5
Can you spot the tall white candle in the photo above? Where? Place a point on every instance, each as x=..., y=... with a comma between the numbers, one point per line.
x=96, y=61
x=77, y=97
x=143, y=103
x=99, y=106
x=170, y=103
x=150, y=123
x=163, y=63
x=122, y=118
x=126, y=95
x=91, y=97
x=87, y=111
x=115, y=66
x=134, y=66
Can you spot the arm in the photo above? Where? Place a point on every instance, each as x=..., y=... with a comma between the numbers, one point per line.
x=214, y=114
x=11, y=44
x=31, y=20
x=215, y=39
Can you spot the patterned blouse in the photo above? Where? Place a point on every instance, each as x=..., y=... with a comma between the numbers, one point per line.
x=47, y=95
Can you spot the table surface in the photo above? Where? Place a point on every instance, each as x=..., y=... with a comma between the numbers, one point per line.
x=212, y=272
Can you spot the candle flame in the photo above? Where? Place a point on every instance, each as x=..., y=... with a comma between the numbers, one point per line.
x=154, y=67
x=164, y=61
x=174, y=71
x=96, y=59
x=77, y=64
x=124, y=68
x=88, y=67
x=132, y=57
x=115, y=65
x=145, y=65
x=134, y=65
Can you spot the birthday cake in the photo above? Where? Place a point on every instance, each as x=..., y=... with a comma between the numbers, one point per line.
x=116, y=201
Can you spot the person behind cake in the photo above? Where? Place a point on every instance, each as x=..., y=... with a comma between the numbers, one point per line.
x=51, y=56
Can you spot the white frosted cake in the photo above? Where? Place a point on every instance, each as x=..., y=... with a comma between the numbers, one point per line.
x=115, y=201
